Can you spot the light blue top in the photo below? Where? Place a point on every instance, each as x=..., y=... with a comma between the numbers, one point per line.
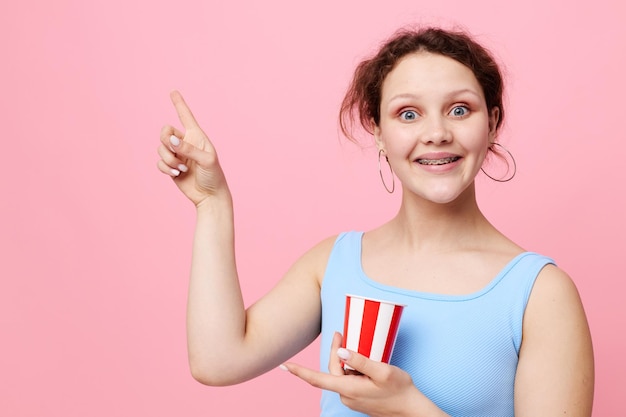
x=461, y=350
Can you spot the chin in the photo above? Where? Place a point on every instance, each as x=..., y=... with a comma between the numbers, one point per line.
x=444, y=199
x=444, y=196
x=435, y=198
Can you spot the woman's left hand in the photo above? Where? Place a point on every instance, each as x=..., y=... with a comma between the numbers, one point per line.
x=380, y=390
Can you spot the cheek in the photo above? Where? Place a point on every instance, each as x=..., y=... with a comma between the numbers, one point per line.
x=397, y=139
x=482, y=147
x=400, y=150
x=478, y=137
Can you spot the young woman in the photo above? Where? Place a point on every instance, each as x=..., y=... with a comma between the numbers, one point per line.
x=489, y=328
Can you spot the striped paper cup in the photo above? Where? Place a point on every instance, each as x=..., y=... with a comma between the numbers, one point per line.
x=370, y=327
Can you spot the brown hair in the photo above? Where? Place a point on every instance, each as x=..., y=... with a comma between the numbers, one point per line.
x=362, y=100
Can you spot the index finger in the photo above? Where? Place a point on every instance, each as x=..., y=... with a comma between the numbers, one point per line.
x=319, y=379
x=184, y=113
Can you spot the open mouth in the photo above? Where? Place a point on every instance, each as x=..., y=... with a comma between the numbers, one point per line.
x=441, y=161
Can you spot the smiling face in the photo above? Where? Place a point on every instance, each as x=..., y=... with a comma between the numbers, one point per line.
x=434, y=125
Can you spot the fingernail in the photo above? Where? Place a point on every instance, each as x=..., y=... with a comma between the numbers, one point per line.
x=283, y=368
x=182, y=168
x=174, y=140
x=343, y=354
x=175, y=172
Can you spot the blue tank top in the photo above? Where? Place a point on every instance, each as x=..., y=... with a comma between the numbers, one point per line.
x=461, y=350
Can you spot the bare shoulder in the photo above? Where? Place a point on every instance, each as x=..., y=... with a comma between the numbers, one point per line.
x=556, y=371
x=323, y=248
x=315, y=259
x=555, y=306
x=554, y=291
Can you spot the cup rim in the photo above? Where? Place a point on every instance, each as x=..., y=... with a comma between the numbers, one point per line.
x=378, y=300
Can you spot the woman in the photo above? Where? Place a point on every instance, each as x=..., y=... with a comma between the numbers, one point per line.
x=489, y=329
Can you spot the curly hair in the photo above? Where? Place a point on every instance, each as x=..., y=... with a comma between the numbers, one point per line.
x=361, y=103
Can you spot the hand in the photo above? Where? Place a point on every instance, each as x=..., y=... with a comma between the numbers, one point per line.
x=380, y=389
x=190, y=158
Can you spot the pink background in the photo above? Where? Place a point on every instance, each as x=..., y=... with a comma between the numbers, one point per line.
x=96, y=242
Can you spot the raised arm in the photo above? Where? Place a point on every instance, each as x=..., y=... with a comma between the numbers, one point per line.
x=228, y=344
x=555, y=375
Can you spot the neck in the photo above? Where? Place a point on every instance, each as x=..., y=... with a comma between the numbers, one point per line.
x=425, y=225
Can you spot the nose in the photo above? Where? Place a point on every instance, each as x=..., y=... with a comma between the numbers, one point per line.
x=435, y=131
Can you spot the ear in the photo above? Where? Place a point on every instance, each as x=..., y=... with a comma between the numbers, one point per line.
x=378, y=136
x=494, y=116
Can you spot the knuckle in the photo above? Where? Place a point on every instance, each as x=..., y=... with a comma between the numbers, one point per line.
x=386, y=373
x=314, y=382
x=163, y=167
x=166, y=131
x=361, y=363
x=349, y=392
x=166, y=155
x=335, y=368
x=347, y=401
x=207, y=159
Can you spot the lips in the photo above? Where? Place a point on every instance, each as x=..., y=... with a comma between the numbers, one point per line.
x=438, y=161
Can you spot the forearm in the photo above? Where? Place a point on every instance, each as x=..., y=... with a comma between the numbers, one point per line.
x=215, y=310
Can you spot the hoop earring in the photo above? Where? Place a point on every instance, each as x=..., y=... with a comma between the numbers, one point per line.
x=393, y=180
x=507, y=164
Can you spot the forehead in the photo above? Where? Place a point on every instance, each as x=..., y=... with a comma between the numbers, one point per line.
x=427, y=74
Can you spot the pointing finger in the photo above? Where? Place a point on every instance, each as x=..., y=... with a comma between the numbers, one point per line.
x=315, y=378
x=184, y=113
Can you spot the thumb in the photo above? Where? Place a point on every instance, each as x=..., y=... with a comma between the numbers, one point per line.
x=361, y=363
x=189, y=151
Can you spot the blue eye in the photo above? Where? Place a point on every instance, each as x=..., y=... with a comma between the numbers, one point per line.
x=459, y=111
x=408, y=115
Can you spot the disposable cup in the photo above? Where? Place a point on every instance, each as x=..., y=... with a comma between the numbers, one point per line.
x=371, y=327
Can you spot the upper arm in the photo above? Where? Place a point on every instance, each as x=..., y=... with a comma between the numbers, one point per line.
x=288, y=317
x=555, y=374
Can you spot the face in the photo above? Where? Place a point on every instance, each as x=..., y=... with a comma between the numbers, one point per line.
x=434, y=126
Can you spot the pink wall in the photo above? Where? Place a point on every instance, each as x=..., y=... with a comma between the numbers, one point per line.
x=96, y=243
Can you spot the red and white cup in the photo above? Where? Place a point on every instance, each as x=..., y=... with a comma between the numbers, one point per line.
x=370, y=327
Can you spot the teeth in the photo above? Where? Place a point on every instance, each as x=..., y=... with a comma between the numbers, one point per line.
x=441, y=161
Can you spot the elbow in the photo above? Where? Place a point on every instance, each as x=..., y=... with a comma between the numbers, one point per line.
x=207, y=377
x=212, y=375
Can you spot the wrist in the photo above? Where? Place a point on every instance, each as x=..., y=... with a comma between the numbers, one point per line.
x=215, y=204
x=216, y=214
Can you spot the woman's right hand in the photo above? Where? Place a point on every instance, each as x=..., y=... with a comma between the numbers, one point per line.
x=190, y=158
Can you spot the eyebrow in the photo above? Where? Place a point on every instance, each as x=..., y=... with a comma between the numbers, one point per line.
x=450, y=94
